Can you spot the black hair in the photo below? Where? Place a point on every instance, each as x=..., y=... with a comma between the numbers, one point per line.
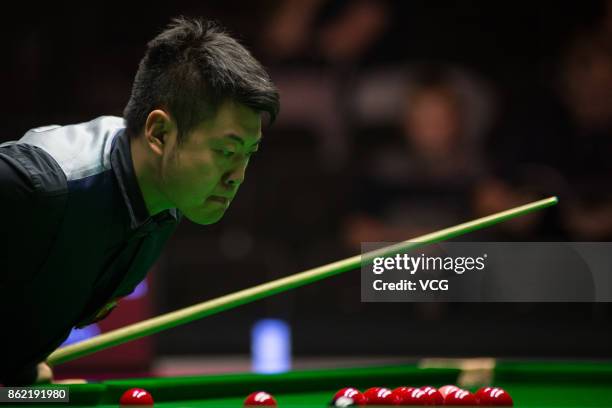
x=190, y=69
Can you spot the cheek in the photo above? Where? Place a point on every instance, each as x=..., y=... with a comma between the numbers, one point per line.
x=190, y=179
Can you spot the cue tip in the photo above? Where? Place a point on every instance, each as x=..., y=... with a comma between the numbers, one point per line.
x=554, y=200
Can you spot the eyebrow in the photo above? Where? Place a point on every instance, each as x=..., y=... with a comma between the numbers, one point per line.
x=240, y=140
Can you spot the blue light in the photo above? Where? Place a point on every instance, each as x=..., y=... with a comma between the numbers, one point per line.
x=86, y=332
x=139, y=291
x=271, y=346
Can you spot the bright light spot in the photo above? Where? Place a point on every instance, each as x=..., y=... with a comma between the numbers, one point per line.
x=271, y=346
x=139, y=291
x=86, y=332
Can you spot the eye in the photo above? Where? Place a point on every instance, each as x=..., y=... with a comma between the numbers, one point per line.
x=225, y=153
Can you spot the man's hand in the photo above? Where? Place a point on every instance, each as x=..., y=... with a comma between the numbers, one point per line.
x=45, y=376
x=44, y=373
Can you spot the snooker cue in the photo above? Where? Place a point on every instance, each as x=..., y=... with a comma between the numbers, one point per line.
x=213, y=306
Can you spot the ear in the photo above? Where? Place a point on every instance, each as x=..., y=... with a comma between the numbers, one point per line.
x=159, y=131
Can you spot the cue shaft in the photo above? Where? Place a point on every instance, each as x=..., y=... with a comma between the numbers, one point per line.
x=210, y=307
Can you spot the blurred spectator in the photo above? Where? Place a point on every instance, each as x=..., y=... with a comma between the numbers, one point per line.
x=560, y=146
x=315, y=48
x=331, y=32
x=420, y=179
x=587, y=86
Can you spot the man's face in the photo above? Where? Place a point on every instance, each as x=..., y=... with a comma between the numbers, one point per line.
x=201, y=175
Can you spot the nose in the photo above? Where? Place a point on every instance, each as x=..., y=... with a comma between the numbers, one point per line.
x=235, y=177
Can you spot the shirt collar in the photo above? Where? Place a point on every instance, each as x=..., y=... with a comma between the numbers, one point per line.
x=123, y=167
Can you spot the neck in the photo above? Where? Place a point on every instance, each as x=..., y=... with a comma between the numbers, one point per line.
x=147, y=170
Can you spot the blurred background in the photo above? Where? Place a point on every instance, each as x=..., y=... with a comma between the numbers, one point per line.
x=397, y=118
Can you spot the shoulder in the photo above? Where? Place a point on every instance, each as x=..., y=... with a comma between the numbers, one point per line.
x=80, y=150
x=27, y=170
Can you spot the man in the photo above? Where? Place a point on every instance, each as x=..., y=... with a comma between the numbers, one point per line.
x=87, y=208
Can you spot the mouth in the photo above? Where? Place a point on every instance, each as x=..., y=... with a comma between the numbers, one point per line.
x=219, y=199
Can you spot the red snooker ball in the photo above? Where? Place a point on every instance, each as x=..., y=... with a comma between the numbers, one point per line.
x=348, y=397
x=380, y=396
x=259, y=399
x=403, y=395
x=460, y=397
x=433, y=396
x=447, y=389
x=136, y=396
x=416, y=396
x=493, y=397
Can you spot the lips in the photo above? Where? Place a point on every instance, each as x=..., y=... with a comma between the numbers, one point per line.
x=219, y=199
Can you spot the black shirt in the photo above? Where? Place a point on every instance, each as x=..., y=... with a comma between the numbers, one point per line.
x=76, y=233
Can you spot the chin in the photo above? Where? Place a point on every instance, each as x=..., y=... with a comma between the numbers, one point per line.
x=205, y=219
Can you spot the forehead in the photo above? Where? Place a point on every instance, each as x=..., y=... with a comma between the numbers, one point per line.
x=237, y=119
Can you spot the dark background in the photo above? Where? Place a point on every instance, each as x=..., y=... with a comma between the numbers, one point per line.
x=313, y=191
